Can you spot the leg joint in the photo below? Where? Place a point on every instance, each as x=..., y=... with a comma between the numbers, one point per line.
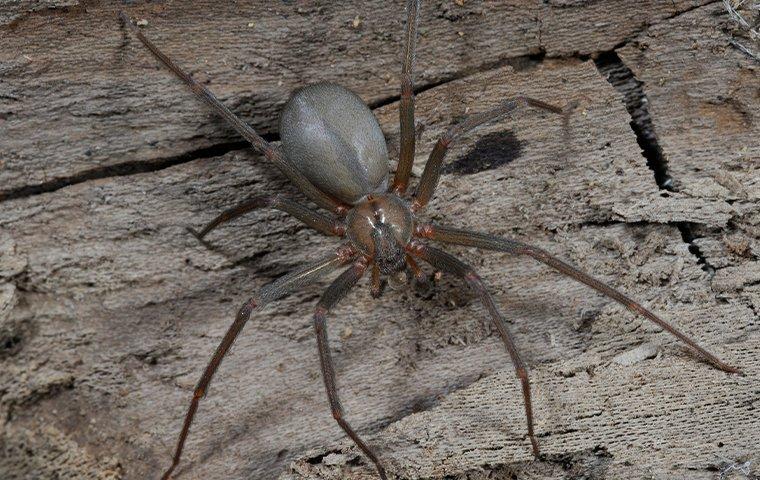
x=320, y=312
x=424, y=230
x=337, y=414
x=247, y=308
x=200, y=392
x=345, y=252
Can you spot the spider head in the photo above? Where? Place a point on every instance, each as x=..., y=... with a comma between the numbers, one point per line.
x=380, y=227
x=389, y=253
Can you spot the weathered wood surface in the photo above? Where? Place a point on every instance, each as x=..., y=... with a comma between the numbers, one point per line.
x=106, y=103
x=109, y=309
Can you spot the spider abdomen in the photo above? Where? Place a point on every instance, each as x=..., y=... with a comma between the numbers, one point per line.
x=331, y=135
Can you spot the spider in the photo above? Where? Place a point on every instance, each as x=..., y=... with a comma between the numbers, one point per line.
x=334, y=151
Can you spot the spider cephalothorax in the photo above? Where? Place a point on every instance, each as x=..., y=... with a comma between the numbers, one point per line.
x=381, y=227
x=335, y=153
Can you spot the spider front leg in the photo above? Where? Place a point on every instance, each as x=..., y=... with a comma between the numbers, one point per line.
x=272, y=153
x=432, y=171
x=277, y=289
x=312, y=219
x=406, y=107
x=441, y=260
x=491, y=242
x=337, y=290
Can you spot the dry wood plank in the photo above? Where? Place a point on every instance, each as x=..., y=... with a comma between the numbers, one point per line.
x=79, y=99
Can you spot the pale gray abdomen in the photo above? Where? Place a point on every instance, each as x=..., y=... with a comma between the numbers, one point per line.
x=330, y=135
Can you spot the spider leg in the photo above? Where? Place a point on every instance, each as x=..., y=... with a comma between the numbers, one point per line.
x=432, y=171
x=376, y=284
x=406, y=107
x=419, y=275
x=332, y=295
x=259, y=144
x=443, y=261
x=491, y=242
x=313, y=219
x=277, y=289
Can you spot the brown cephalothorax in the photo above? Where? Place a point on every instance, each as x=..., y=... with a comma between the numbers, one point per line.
x=380, y=227
x=334, y=151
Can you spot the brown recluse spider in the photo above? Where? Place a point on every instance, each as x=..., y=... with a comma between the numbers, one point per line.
x=334, y=152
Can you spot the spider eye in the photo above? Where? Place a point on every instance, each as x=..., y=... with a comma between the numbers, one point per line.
x=389, y=253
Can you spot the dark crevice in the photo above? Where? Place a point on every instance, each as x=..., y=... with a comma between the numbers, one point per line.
x=688, y=236
x=122, y=169
x=617, y=73
x=622, y=78
x=317, y=459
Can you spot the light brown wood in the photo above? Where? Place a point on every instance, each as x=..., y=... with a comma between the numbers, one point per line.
x=81, y=100
x=109, y=308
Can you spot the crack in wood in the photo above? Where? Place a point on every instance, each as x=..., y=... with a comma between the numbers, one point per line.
x=620, y=76
x=122, y=169
x=519, y=63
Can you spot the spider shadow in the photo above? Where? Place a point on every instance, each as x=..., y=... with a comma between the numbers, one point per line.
x=491, y=151
x=250, y=421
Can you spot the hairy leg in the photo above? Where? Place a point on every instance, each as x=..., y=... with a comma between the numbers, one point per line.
x=491, y=242
x=259, y=144
x=441, y=260
x=277, y=289
x=313, y=219
x=337, y=290
x=406, y=107
x=432, y=171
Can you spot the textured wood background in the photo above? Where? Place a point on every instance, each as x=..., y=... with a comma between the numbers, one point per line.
x=109, y=309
